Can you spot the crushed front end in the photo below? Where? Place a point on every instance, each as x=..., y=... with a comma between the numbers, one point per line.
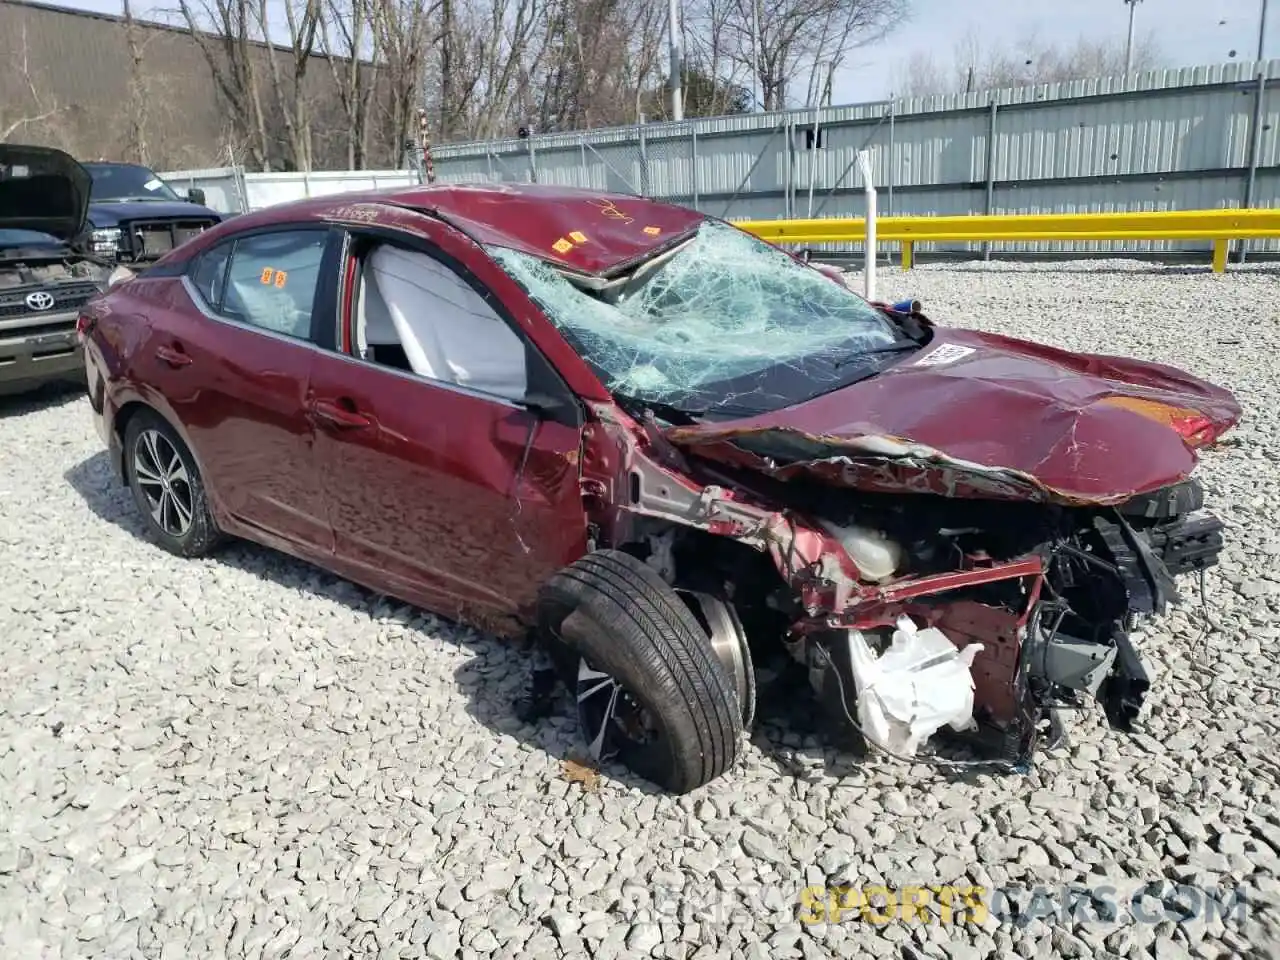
x=1050, y=591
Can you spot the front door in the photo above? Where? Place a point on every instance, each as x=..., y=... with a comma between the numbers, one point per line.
x=459, y=498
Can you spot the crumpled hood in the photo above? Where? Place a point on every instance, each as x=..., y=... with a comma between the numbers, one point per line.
x=982, y=415
x=110, y=213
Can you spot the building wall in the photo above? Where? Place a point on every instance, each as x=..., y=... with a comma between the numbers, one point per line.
x=75, y=67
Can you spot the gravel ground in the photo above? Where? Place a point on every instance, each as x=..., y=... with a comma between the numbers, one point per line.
x=247, y=757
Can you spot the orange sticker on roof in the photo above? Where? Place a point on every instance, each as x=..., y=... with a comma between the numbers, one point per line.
x=578, y=237
x=562, y=246
x=652, y=231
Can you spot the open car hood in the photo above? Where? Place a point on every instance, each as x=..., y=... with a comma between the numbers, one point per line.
x=42, y=189
x=987, y=416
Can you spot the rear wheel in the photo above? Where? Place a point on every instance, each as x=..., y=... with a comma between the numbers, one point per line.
x=167, y=487
x=649, y=688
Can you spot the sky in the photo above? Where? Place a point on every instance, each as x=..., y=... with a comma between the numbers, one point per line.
x=1188, y=32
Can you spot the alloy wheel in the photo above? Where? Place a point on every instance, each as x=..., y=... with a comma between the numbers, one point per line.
x=611, y=719
x=164, y=482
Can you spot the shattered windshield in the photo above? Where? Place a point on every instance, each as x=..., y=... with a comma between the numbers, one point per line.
x=725, y=321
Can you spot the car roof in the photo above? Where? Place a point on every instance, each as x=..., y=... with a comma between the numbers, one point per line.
x=592, y=232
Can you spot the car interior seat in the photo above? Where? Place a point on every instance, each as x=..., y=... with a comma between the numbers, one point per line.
x=445, y=330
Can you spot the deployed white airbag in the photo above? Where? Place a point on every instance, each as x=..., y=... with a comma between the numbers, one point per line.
x=919, y=684
x=447, y=330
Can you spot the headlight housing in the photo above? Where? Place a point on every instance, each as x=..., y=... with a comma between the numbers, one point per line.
x=105, y=242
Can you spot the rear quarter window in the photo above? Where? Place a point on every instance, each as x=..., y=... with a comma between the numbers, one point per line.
x=272, y=278
x=209, y=272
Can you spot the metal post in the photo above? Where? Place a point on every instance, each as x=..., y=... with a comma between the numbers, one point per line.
x=533, y=161
x=991, y=172
x=1259, y=111
x=242, y=189
x=1128, y=47
x=673, y=27
x=1255, y=146
x=427, y=174
x=893, y=107
x=869, y=240
x=788, y=169
x=644, y=159
x=693, y=137
x=813, y=159
x=757, y=93
x=1262, y=31
x=586, y=174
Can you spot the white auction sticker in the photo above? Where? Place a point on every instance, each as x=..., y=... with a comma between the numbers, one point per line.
x=947, y=353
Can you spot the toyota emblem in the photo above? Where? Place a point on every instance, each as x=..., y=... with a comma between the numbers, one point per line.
x=39, y=300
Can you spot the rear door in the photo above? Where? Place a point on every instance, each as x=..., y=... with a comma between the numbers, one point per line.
x=235, y=370
x=460, y=499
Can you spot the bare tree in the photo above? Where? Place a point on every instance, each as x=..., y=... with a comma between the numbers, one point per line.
x=793, y=39
x=974, y=65
x=403, y=35
x=38, y=110
x=485, y=68
x=347, y=37
x=290, y=94
x=224, y=32
x=507, y=47
x=138, y=100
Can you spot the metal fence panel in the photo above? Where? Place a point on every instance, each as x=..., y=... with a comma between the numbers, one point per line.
x=1162, y=139
x=223, y=186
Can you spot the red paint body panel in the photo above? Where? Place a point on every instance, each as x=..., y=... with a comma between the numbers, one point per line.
x=1065, y=420
x=238, y=405
x=427, y=500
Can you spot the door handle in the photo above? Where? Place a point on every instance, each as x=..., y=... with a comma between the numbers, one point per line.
x=340, y=413
x=174, y=356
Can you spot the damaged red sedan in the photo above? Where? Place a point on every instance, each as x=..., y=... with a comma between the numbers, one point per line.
x=656, y=446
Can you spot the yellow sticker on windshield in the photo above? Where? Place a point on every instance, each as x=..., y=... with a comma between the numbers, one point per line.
x=562, y=246
x=652, y=231
x=578, y=237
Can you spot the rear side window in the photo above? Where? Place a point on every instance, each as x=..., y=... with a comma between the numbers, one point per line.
x=266, y=280
x=209, y=273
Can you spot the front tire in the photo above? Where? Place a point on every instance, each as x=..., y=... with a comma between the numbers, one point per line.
x=648, y=686
x=167, y=487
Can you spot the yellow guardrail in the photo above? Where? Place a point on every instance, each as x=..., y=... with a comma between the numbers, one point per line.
x=1219, y=226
